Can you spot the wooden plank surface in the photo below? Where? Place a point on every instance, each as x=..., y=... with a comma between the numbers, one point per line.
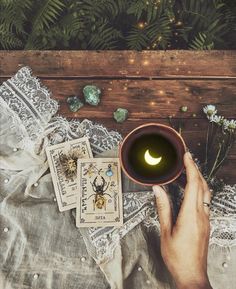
x=159, y=98
x=111, y=64
x=151, y=85
x=150, y=98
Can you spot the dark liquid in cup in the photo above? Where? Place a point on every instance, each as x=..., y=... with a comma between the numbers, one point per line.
x=152, y=158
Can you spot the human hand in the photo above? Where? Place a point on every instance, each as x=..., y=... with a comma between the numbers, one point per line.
x=184, y=245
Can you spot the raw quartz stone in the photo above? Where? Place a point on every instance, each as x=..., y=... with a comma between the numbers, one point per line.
x=92, y=94
x=74, y=103
x=121, y=114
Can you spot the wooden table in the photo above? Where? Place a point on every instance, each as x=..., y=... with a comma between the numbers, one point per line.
x=151, y=85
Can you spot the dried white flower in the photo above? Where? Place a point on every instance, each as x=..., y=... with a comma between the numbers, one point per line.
x=217, y=119
x=229, y=125
x=209, y=110
x=225, y=124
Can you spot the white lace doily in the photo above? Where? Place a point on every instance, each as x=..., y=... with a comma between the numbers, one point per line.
x=29, y=100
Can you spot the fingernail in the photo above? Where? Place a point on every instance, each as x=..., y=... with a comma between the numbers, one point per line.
x=189, y=155
x=156, y=191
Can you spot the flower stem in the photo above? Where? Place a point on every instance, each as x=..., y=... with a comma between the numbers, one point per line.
x=207, y=139
x=180, y=125
x=213, y=135
x=215, y=163
x=228, y=147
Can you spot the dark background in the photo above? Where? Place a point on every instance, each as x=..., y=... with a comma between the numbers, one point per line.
x=118, y=24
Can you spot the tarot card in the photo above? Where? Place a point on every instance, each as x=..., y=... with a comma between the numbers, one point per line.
x=99, y=203
x=62, y=160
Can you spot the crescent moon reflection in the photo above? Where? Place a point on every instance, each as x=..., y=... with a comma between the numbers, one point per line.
x=151, y=160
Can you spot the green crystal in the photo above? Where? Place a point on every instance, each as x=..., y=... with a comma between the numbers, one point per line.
x=74, y=103
x=92, y=94
x=121, y=114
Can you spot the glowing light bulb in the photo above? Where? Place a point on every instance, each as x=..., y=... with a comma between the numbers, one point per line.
x=151, y=160
x=141, y=25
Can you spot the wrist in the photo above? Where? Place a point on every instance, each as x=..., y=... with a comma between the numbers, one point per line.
x=194, y=285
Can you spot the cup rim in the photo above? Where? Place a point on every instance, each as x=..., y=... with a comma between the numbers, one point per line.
x=141, y=126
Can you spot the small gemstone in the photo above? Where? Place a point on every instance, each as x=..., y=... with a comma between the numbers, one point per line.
x=6, y=181
x=36, y=276
x=152, y=203
x=54, y=199
x=140, y=269
x=5, y=229
x=109, y=173
x=15, y=150
x=74, y=103
x=148, y=281
x=92, y=94
x=36, y=184
x=225, y=265
x=83, y=259
x=120, y=115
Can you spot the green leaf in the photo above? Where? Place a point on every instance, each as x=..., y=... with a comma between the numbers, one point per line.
x=104, y=37
x=160, y=32
x=47, y=13
x=201, y=42
x=137, y=39
x=8, y=40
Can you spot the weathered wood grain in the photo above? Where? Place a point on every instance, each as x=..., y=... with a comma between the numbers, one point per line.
x=193, y=131
x=149, y=98
x=112, y=64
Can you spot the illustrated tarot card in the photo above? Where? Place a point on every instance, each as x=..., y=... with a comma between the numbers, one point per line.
x=62, y=160
x=99, y=202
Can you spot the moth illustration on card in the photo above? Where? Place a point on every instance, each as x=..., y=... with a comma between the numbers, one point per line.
x=99, y=202
x=62, y=160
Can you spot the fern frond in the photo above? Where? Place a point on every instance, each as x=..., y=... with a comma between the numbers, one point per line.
x=8, y=40
x=13, y=15
x=201, y=42
x=204, y=16
x=104, y=37
x=94, y=9
x=47, y=14
x=136, y=8
x=137, y=39
x=160, y=32
x=149, y=9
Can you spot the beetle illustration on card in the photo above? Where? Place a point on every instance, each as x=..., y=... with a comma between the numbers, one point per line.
x=99, y=201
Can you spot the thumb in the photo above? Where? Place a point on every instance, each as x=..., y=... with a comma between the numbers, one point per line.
x=163, y=209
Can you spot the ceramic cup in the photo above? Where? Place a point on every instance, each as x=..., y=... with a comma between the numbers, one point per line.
x=152, y=154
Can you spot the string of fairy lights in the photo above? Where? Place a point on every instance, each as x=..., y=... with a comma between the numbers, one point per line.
x=173, y=21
